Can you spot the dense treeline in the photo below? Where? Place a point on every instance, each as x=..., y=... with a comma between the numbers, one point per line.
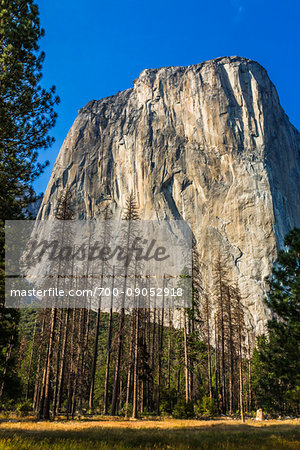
x=188, y=361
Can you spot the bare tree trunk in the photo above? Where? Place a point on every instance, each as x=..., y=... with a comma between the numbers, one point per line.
x=36, y=395
x=208, y=348
x=120, y=343
x=130, y=363
x=249, y=376
x=72, y=366
x=178, y=383
x=186, y=360
x=130, y=215
x=109, y=337
x=241, y=387
x=58, y=360
x=63, y=213
x=30, y=360
x=222, y=338
x=121, y=395
x=95, y=356
x=84, y=353
x=63, y=360
x=135, y=367
x=148, y=346
x=240, y=323
x=169, y=354
x=153, y=355
x=223, y=387
x=191, y=362
x=118, y=364
x=77, y=372
x=160, y=349
x=159, y=336
x=46, y=384
x=230, y=345
x=128, y=388
x=216, y=364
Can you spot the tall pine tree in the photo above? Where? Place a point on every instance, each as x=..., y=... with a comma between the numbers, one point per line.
x=276, y=363
x=26, y=115
x=26, y=109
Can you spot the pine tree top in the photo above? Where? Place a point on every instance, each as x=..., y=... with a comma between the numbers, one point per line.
x=131, y=209
x=64, y=208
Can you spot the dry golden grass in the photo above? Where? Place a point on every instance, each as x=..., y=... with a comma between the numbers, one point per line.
x=107, y=433
x=113, y=422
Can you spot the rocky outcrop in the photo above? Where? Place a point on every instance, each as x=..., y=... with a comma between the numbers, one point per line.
x=209, y=143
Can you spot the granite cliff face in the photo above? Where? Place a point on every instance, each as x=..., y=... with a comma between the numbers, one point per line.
x=208, y=143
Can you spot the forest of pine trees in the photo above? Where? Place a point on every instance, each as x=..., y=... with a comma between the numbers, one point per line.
x=194, y=361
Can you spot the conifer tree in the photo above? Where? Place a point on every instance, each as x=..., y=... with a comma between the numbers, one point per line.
x=130, y=214
x=63, y=212
x=26, y=109
x=275, y=364
x=26, y=116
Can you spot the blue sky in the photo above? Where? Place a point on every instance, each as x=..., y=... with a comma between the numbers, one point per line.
x=95, y=48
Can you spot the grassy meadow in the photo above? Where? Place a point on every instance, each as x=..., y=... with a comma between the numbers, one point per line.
x=114, y=433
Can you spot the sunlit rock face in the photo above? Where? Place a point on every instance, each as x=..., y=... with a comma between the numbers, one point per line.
x=208, y=143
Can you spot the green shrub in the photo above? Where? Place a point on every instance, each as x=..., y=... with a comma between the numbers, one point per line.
x=209, y=408
x=24, y=408
x=206, y=407
x=165, y=407
x=198, y=408
x=168, y=400
x=122, y=411
x=9, y=405
x=183, y=410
